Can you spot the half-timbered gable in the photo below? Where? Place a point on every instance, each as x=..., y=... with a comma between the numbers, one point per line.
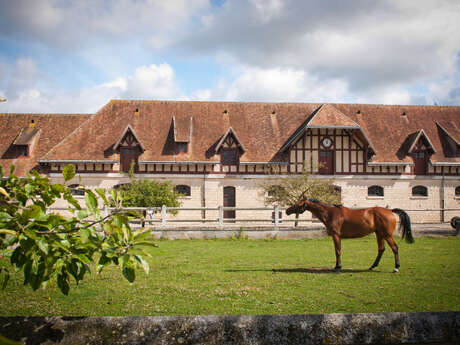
x=129, y=148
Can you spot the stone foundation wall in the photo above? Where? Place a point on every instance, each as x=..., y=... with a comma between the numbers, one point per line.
x=356, y=329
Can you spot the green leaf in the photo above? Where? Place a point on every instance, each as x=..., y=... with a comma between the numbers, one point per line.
x=101, y=193
x=129, y=273
x=3, y=191
x=33, y=212
x=12, y=169
x=69, y=172
x=29, y=188
x=82, y=214
x=143, y=263
x=146, y=243
x=63, y=283
x=58, y=188
x=4, y=216
x=71, y=200
x=139, y=236
x=43, y=245
x=85, y=233
x=91, y=202
x=82, y=258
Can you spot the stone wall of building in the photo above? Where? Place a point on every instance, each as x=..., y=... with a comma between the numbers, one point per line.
x=207, y=191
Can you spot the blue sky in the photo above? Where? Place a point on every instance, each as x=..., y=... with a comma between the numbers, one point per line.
x=74, y=56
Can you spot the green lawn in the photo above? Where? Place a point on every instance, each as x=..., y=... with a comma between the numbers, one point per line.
x=190, y=277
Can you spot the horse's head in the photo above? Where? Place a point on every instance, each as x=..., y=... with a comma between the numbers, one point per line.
x=301, y=206
x=297, y=208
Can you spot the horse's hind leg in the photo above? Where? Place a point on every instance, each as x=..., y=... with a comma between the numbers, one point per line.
x=337, y=245
x=381, y=247
x=394, y=248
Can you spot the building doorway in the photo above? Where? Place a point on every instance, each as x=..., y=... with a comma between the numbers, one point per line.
x=127, y=155
x=326, y=162
x=420, y=162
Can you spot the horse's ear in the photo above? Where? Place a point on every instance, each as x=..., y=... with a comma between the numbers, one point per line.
x=303, y=197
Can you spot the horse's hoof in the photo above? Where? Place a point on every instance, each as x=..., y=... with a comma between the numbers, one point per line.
x=337, y=269
x=395, y=270
x=371, y=268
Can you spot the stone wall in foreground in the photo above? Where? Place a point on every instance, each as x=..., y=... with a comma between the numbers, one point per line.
x=386, y=328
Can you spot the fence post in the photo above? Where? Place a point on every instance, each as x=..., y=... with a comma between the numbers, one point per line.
x=221, y=216
x=277, y=218
x=163, y=215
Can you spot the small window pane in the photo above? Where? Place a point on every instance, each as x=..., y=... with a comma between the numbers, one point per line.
x=419, y=191
x=183, y=189
x=457, y=191
x=76, y=189
x=375, y=191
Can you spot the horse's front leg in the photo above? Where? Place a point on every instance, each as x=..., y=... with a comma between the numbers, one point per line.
x=337, y=245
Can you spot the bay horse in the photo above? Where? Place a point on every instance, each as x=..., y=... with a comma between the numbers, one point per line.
x=342, y=222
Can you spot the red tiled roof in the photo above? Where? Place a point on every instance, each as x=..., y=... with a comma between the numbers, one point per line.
x=330, y=116
x=53, y=129
x=262, y=128
x=261, y=134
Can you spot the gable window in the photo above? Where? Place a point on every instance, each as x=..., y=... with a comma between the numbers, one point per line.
x=229, y=156
x=183, y=189
x=22, y=150
x=419, y=191
x=457, y=191
x=181, y=147
x=375, y=191
x=77, y=190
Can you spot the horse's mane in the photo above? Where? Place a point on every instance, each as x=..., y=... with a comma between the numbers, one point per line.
x=316, y=201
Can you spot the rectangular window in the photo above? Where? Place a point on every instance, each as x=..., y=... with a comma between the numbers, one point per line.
x=229, y=156
x=181, y=147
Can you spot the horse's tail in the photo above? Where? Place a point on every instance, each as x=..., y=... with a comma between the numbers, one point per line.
x=404, y=224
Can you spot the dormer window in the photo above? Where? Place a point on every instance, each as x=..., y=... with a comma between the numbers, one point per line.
x=130, y=148
x=230, y=148
x=229, y=156
x=23, y=145
x=181, y=147
x=22, y=150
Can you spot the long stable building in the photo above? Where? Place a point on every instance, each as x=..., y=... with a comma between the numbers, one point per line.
x=218, y=153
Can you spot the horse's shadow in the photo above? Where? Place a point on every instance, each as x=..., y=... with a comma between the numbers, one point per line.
x=311, y=270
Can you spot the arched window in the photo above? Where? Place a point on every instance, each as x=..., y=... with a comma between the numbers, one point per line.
x=375, y=191
x=76, y=189
x=419, y=191
x=183, y=189
x=457, y=191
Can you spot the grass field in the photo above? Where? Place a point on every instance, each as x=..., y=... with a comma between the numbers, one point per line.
x=191, y=277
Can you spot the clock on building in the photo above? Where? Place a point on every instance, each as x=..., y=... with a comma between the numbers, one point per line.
x=326, y=142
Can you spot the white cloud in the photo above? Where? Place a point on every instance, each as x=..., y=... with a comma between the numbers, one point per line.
x=372, y=46
x=149, y=82
x=73, y=24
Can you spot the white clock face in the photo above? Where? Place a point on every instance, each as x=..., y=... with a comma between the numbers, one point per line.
x=327, y=142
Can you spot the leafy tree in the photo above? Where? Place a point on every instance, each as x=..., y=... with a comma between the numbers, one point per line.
x=48, y=246
x=287, y=191
x=149, y=193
